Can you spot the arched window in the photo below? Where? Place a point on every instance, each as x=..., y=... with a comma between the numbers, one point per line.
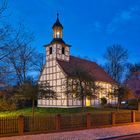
x=50, y=50
x=63, y=50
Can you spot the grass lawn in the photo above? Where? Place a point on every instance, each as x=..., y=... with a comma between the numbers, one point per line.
x=53, y=111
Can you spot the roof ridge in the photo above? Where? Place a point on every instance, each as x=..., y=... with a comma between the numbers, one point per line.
x=83, y=59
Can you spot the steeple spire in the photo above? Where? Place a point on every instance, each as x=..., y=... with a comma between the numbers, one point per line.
x=57, y=15
x=57, y=23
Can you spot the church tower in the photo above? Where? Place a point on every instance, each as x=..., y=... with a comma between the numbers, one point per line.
x=57, y=49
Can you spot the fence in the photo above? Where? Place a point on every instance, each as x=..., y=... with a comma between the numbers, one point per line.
x=38, y=124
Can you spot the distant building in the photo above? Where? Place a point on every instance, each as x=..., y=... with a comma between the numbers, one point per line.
x=59, y=64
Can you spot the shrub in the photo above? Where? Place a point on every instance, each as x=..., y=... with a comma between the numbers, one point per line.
x=131, y=104
x=7, y=105
x=103, y=101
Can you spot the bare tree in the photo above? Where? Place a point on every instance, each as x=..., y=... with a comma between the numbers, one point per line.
x=132, y=68
x=116, y=58
x=38, y=62
x=20, y=55
x=5, y=32
x=3, y=7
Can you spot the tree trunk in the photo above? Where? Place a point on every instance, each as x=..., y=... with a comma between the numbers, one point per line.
x=33, y=112
x=33, y=107
x=81, y=94
x=138, y=105
x=118, y=104
x=67, y=100
x=82, y=102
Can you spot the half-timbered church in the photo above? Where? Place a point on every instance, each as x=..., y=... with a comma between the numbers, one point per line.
x=59, y=64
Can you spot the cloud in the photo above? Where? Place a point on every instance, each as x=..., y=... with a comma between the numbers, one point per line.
x=121, y=18
x=97, y=26
x=126, y=15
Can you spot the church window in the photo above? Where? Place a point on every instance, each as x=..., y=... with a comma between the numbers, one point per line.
x=57, y=35
x=63, y=50
x=50, y=50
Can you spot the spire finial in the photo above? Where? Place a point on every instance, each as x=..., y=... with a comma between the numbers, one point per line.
x=57, y=15
x=57, y=23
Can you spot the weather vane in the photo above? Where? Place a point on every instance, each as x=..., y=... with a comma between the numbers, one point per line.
x=57, y=15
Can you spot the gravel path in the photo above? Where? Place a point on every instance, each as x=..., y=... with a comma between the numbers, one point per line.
x=90, y=134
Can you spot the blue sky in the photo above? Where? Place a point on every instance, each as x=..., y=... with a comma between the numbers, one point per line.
x=89, y=25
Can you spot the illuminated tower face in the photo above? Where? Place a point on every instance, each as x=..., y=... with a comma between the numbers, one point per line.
x=57, y=32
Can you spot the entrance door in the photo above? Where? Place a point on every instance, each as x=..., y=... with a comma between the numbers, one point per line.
x=88, y=101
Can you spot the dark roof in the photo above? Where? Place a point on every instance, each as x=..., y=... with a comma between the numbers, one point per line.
x=90, y=67
x=57, y=40
x=57, y=23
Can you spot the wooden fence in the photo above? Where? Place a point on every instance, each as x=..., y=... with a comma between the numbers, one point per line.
x=38, y=124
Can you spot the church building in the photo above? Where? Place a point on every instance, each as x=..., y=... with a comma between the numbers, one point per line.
x=58, y=66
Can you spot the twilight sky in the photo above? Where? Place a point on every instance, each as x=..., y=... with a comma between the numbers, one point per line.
x=89, y=25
